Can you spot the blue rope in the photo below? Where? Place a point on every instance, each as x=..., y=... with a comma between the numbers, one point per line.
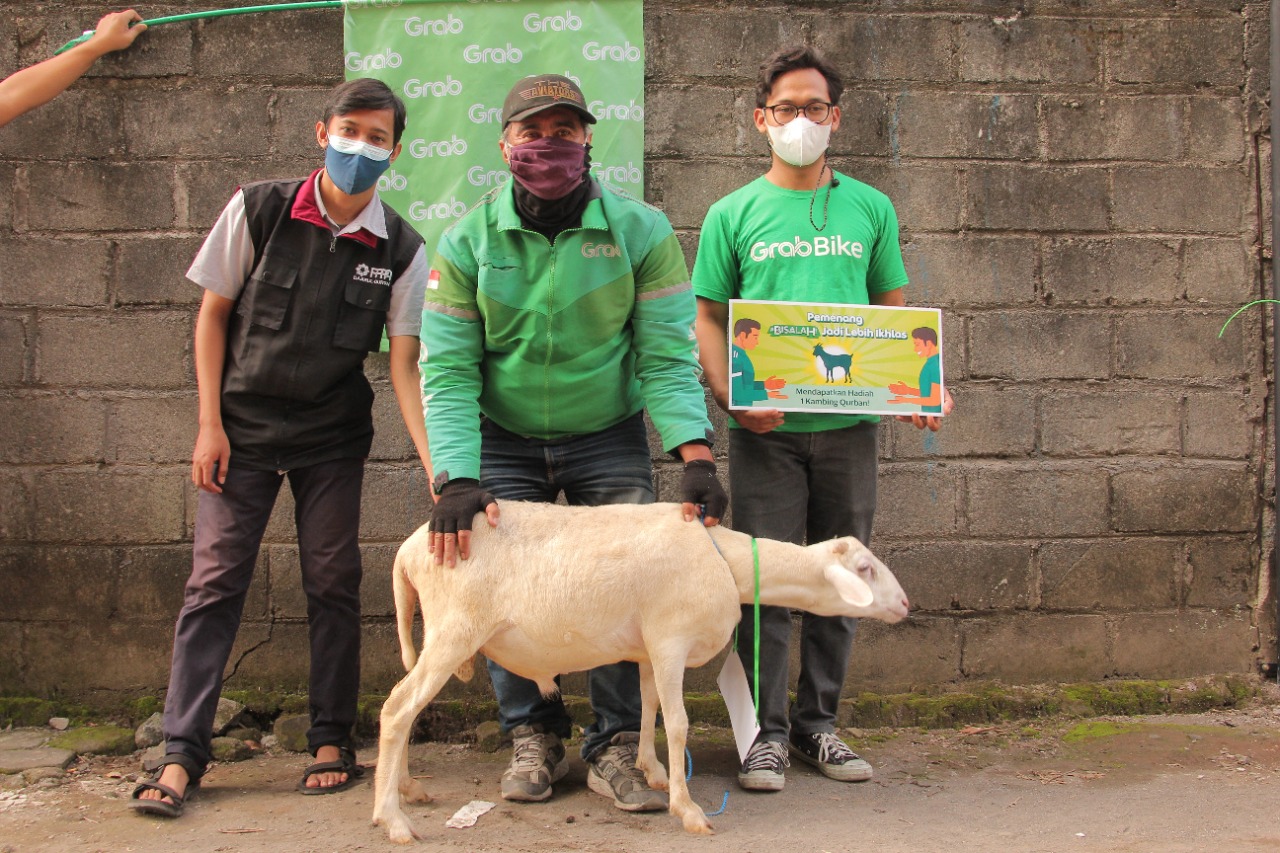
x=689, y=775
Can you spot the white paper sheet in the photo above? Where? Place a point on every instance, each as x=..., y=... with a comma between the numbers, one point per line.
x=468, y=814
x=733, y=685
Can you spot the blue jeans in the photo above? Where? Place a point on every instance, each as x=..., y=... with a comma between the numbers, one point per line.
x=801, y=487
x=607, y=467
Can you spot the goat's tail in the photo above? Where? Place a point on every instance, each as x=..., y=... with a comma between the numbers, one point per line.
x=406, y=605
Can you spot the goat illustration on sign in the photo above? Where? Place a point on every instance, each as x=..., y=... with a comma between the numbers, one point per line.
x=829, y=361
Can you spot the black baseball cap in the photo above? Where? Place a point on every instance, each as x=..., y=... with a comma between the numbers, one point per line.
x=541, y=92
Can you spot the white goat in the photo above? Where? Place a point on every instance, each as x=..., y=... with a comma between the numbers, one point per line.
x=556, y=589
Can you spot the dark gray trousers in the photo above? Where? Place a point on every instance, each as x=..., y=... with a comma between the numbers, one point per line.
x=802, y=488
x=228, y=534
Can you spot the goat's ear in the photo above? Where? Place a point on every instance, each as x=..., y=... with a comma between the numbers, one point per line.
x=851, y=588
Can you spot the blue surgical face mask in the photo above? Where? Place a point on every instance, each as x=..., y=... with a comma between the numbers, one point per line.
x=354, y=166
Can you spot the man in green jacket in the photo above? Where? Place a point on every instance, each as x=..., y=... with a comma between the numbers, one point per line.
x=557, y=310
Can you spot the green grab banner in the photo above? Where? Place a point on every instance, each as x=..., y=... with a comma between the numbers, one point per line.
x=453, y=64
x=851, y=359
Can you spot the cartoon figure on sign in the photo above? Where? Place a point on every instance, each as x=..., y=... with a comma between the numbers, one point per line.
x=746, y=390
x=928, y=393
x=831, y=360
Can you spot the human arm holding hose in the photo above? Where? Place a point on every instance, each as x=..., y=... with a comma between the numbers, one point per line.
x=31, y=87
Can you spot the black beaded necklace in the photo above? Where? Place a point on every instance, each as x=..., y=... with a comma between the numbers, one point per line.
x=826, y=200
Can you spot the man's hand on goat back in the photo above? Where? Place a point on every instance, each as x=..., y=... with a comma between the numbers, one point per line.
x=700, y=487
x=452, y=516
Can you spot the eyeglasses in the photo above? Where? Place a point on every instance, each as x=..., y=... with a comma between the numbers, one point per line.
x=815, y=112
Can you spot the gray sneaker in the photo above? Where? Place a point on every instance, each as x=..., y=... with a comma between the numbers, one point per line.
x=614, y=774
x=763, y=770
x=537, y=760
x=832, y=756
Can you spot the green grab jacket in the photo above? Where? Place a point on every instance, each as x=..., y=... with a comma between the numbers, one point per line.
x=551, y=340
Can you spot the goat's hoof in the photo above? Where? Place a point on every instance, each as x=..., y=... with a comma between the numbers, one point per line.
x=402, y=834
x=659, y=784
x=399, y=830
x=696, y=822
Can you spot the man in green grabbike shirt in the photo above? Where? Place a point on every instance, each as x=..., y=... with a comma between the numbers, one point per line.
x=806, y=476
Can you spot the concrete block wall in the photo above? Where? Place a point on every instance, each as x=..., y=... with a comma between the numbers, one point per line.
x=1083, y=188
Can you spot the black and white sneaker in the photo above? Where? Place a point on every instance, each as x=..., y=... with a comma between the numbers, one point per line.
x=831, y=755
x=764, y=767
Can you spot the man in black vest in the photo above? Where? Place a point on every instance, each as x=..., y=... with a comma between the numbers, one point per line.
x=300, y=277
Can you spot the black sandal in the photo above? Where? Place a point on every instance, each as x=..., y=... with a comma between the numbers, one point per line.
x=346, y=763
x=159, y=807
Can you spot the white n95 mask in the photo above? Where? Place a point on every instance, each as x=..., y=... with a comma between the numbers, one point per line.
x=799, y=142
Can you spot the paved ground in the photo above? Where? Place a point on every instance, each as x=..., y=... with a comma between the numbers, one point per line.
x=1185, y=783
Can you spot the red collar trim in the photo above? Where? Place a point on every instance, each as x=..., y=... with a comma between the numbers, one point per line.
x=306, y=209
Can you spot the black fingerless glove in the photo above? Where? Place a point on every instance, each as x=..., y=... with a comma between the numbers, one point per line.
x=700, y=485
x=459, y=502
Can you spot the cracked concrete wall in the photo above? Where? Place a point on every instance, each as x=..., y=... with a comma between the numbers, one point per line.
x=1082, y=188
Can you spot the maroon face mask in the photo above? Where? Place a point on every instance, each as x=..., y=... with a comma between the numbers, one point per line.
x=549, y=167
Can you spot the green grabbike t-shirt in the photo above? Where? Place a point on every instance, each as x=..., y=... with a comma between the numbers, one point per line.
x=759, y=243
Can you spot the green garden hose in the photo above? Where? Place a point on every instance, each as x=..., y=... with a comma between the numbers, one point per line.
x=218, y=13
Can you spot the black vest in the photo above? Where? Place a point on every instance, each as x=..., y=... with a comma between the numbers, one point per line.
x=294, y=391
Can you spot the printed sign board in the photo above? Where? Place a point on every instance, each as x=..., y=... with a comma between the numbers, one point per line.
x=851, y=359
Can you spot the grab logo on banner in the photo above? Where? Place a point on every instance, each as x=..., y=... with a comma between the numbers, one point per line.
x=625, y=52
x=480, y=114
x=416, y=26
x=452, y=147
x=628, y=174
x=373, y=62
x=420, y=211
x=621, y=112
x=475, y=54
x=479, y=176
x=392, y=181
x=415, y=88
x=535, y=23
